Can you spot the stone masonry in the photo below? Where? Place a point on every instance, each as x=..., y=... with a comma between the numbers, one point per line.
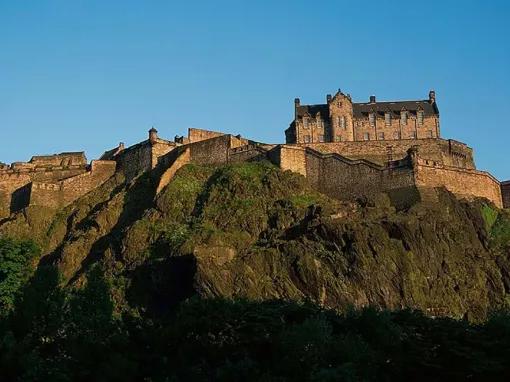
x=340, y=119
x=335, y=158
x=505, y=190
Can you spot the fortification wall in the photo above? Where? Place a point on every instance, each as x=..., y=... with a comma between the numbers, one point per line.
x=182, y=158
x=13, y=192
x=62, y=193
x=465, y=183
x=197, y=135
x=142, y=157
x=505, y=191
x=215, y=150
x=14, y=184
x=289, y=157
x=346, y=179
x=135, y=160
x=447, y=152
x=62, y=159
x=247, y=153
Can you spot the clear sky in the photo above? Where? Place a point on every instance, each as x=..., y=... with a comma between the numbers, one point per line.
x=85, y=75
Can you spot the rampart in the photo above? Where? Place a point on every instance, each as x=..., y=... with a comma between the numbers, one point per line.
x=449, y=152
x=404, y=180
x=197, y=135
x=62, y=193
x=505, y=191
x=465, y=183
x=344, y=178
x=15, y=179
x=407, y=170
x=142, y=157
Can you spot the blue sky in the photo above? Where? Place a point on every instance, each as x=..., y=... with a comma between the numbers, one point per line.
x=85, y=75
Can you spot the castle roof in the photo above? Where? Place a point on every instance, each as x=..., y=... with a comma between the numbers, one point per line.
x=363, y=109
x=312, y=110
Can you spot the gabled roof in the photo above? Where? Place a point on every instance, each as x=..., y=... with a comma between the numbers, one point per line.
x=363, y=109
x=312, y=110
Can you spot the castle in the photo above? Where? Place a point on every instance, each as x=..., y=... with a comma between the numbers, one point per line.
x=340, y=119
x=346, y=150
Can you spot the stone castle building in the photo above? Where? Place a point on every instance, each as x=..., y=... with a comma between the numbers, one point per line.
x=346, y=150
x=342, y=120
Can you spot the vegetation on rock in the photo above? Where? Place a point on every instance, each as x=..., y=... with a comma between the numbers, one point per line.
x=245, y=272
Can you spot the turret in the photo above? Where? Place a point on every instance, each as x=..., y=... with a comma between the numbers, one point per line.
x=153, y=135
x=432, y=96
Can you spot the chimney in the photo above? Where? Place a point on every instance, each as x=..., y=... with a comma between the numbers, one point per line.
x=153, y=135
x=372, y=99
x=432, y=96
x=328, y=98
x=297, y=102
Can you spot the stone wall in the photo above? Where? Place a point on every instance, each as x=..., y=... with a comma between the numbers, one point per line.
x=289, y=157
x=448, y=152
x=62, y=193
x=15, y=181
x=246, y=153
x=505, y=191
x=181, y=159
x=215, y=150
x=466, y=183
x=135, y=160
x=429, y=128
x=347, y=179
x=197, y=135
x=62, y=159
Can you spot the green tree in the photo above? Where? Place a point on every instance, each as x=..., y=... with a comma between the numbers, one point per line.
x=16, y=267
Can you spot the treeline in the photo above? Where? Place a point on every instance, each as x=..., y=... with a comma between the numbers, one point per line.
x=51, y=333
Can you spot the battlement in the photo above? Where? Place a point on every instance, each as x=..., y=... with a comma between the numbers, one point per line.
x=61, y=193
x=505, y=191
x=406, y=169
x=447, y=151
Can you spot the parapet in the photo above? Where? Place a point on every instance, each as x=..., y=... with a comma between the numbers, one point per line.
x=197, y=135
x=63, y=159
x=505, y=192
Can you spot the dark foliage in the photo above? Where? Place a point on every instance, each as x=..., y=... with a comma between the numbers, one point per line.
x=61, y=335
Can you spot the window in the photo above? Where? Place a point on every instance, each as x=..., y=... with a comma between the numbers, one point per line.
x=387, y=119
x=342, y=122
x=403, y=118
x=321, y=138
x=420, y=117
x=396, y=135
x=381, y=136
x=371, y=118
x=366, y=136
x=413, y=134
x=320, y=123
x=430, y=134
x=307, y=139
x=338, y=138
x=305, y=123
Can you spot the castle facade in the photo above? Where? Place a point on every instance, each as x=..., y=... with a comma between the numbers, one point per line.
x=342, y=120
x=346, y=150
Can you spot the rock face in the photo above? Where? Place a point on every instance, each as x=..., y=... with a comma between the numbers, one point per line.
x=252, y=231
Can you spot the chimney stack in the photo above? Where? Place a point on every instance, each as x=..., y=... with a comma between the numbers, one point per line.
x=432, y=96
x=297, y=102
x=328, y=98
x=372, y=99
x=153, y=135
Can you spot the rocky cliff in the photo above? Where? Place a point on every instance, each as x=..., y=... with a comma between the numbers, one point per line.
x=252, y=231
